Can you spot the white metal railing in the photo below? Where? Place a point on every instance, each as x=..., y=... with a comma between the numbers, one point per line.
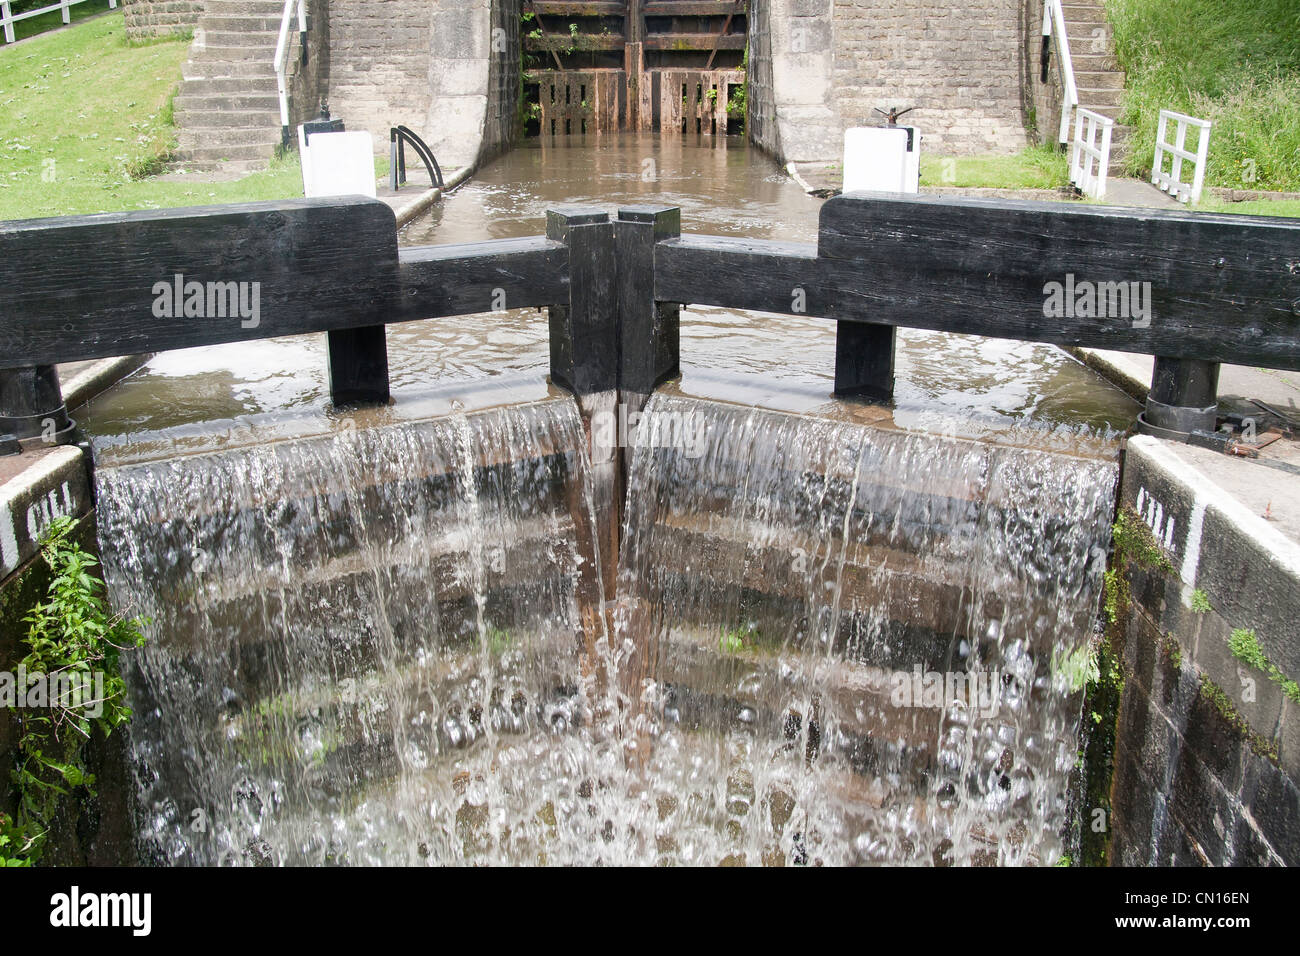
x=1087, y=152
x=282, y=53
x=1054, y=28
x=1172, y=181
x=8, y=18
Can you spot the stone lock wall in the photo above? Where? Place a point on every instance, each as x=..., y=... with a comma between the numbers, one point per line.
x=147, y=18
x=446, y=69
x=1207, y=746
x=959, y=64
x=818, y=67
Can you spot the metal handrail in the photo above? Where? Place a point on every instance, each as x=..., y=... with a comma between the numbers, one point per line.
x=398, y=137
x=1054, y=28
x=282, y=56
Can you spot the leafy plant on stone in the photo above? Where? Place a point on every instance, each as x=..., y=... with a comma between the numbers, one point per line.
x=72, y=633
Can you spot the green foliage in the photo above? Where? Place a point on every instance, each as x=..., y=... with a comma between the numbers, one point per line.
x=1234, y=62
x=1077, y=668
x=498, y=641
x=1132, y=541
x=1170, y=647
x=1245, y=647
x=734, y=640
x=72, y=633
x=737, y=105
x=1200, y=602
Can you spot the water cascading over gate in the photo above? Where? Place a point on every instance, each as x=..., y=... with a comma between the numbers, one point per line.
x=385, y=645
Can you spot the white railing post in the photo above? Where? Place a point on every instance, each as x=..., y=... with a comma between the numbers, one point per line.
x=1172, y=181
x=1202, y=157
x=281, y=56
x=6, y=14
x=1054, y=27
x=64, y=9
x=1103, y=161
x=1086, y=150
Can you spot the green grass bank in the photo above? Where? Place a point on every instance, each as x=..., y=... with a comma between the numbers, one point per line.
x=1234, y=62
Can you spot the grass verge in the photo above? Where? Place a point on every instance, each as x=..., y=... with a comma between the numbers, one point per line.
x=86, y=122
x=1038, y=167
x=1234, y=62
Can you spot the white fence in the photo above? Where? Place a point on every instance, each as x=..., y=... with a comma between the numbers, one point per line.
x=1172, y=181
x=1054, y=28
x=8, y=18
x=1090, y=152
x=281, y=61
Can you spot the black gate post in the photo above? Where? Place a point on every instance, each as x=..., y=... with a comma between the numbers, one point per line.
x=358, y=366
x=649, y=331
x=584, y=359
x=1184, y=398
x=31, y=405
x=864, y=360
x=584, y=333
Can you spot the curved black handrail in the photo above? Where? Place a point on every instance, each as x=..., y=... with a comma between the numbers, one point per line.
x=398, y=137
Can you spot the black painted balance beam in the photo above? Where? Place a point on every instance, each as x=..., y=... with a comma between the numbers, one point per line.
x=1178, y=285
x=88, y=287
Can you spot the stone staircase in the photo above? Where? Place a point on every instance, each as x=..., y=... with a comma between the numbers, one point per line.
x=227, y=110
x=1096, y=71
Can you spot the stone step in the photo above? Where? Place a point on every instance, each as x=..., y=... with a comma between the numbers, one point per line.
x=237, y=167
x=217, y=86
x=229, y=118
x=224, y=137
x=1100, y=80
x=226, y=38
x=244, y=24
x=238, y=56
x=243, y=8
x=1094, y=98
x=214, y=157
x=1083, y=13
x=190, y=102
x=243, y=70
x=1113, y=112
x=1094, y=62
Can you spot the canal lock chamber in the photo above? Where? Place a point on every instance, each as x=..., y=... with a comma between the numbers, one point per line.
x=832, y=632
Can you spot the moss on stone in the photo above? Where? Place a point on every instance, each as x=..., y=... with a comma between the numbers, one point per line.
x=1245, y=647
x=1215, y=694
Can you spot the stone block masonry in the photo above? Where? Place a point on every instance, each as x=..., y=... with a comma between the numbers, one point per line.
x=149, y=18
x=1207, y=753
x=818, y=67
x=446, y=69
x=960, y=65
